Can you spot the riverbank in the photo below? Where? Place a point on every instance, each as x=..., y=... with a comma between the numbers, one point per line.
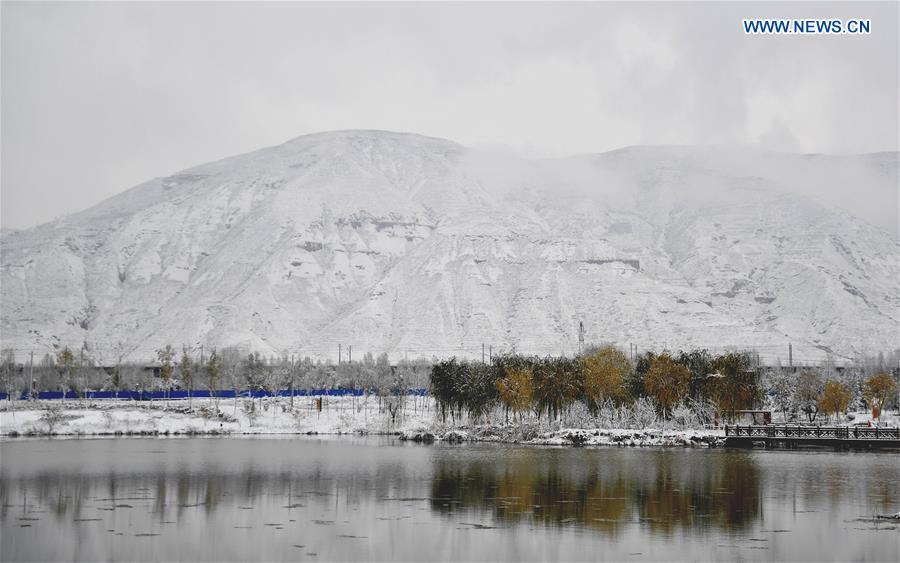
x=268, y=415
x=696, y=438
x=416, y=421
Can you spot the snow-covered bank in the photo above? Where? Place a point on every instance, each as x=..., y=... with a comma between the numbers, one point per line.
x=339, y=415
x=576, y=437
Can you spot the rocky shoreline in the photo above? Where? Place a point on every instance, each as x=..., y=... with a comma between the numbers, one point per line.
x=578, y=437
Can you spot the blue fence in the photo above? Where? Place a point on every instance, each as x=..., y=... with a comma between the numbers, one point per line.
x=199, y=394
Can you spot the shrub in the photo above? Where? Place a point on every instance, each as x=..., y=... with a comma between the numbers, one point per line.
x=683, y=416
x=250, y=410
x=52, y=416
x=643, y=413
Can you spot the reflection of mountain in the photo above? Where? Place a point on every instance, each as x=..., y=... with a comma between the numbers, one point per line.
x=401, y=243
x=605, y=491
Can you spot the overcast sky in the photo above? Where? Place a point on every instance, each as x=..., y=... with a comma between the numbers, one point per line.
x=99, y=97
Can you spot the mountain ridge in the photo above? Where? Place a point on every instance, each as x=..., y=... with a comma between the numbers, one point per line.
x=414, y=245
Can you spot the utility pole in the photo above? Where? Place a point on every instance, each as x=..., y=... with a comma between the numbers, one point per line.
x=491, y=353
x=790, y=355
x=339, y=354
x=350, y=353
x=482, y=352
x=580, y=337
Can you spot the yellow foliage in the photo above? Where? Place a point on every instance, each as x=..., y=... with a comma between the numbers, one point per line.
x=605, y=372
x=666, y=381
x=879, y=389
x=835, y=398
x=516, y=390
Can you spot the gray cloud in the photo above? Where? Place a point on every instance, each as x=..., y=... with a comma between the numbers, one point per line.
x=99, y=97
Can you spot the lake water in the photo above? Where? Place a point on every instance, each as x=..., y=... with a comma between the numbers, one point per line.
x=355, y=498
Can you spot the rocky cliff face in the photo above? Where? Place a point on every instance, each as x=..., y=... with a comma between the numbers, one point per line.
x=419, y=246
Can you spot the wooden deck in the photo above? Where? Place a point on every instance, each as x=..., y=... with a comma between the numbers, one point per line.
x=796, y=436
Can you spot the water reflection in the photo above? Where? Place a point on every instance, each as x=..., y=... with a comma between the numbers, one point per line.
x=216, y=499
x=604, y=489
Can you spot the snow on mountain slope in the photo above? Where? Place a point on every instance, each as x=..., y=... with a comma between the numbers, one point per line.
x=418, y=246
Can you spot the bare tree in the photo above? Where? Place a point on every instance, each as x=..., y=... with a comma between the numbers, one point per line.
x=186, y=371
x=166, y=356
x=213, y=376
x=809, y=389
x=8, y=370
x=781, y=385
x=65, y=363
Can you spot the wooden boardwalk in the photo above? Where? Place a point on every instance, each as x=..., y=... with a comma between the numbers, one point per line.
x=796, y=436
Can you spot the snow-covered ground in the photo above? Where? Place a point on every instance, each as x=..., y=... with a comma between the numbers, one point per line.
x=417, y=420
x=339, y=415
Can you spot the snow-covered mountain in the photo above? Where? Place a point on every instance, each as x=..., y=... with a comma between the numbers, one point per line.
x=419, y=246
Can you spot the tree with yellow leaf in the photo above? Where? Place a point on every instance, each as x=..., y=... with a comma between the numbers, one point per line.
x=667, y=382
x=878, y=390
x=516, y=390
x=835, y=399
x=605, y=372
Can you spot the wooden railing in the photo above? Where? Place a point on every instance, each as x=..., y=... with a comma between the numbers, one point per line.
x=813, y=432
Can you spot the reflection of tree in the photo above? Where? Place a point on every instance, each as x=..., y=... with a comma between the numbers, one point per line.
x=671, y=493
x=606, y=490
x=521, y=490
x=160, y=500
x=723, y=492
x=741, y=478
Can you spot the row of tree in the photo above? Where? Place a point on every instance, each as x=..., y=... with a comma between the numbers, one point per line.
x=809, y=393
x=604, y=376
x=216, y=370
x=601, y=376
x=520, y=384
